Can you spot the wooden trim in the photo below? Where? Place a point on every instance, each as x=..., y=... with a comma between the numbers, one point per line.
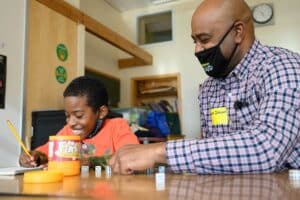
x=130, y=62
x=140, y=56
x=64, y=9
x=95, y=71
x=159, y=76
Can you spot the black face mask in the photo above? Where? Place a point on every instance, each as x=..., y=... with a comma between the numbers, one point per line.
x=213, y=60
x=97, y=128
x=100, y=123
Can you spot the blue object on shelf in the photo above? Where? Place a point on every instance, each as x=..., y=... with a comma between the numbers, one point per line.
x=158, y=120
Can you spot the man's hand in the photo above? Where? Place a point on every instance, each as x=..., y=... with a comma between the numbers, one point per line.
x=132, y=158
x=37, y=159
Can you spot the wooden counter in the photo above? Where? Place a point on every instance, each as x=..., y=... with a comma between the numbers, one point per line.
x=142, y=187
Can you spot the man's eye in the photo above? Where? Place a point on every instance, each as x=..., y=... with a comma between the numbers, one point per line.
x=204, y=40
x=201, y=40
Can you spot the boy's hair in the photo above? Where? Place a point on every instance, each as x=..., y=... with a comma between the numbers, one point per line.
x=92, y=88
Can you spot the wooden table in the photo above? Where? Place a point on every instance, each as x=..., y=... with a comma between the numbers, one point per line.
x=142, y=187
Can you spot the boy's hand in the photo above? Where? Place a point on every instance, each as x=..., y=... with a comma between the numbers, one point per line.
x=37, y=158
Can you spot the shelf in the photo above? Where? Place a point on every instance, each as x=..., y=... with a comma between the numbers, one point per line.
x=158, y=94
x=148, y=89
x=161, y=92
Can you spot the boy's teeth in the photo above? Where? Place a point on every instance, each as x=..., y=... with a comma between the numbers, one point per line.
x=76, y=132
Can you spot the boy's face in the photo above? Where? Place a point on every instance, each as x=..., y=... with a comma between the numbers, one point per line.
x=81, y=117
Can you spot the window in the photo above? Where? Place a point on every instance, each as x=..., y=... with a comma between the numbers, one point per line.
x=155, y=28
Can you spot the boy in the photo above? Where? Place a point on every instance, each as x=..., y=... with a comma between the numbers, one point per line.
x=87, y=115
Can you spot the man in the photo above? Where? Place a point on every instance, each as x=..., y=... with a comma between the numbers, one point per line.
x=250, y=104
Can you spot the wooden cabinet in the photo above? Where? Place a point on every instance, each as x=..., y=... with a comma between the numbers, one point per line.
x=148, y=89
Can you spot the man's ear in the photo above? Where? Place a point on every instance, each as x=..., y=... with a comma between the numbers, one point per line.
x=240, y=32
x=103, y=111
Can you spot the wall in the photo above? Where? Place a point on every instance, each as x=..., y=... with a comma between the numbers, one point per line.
x=171, y=57
x=12, y=44
x=99, y=54
x=286, y=30
x=178, y=55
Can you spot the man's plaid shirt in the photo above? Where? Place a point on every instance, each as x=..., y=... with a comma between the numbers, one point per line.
x=263, y=135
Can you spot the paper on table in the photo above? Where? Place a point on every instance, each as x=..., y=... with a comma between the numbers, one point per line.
x=11, y=171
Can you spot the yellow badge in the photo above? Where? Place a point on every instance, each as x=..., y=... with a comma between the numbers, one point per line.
x=219, y=116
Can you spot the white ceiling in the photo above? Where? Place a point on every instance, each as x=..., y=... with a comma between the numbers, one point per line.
x=125, y=5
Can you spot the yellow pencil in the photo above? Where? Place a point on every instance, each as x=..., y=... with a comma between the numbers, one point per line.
x=14, y=131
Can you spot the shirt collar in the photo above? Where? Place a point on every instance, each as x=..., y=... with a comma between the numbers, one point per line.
x=243, y=68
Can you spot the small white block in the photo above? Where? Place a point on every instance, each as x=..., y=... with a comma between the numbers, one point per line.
x=85, y=171
x=161, y=169
x=85, y=168
x=98, y=171
x=294, y=174
x=160, y=181
x=108, y=171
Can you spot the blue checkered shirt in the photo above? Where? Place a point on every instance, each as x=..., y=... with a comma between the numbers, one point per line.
x=263, y=133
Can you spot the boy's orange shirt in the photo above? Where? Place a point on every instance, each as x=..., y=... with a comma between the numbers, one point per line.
x=114, y=134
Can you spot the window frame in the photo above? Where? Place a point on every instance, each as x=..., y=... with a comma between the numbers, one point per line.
x=153, y=14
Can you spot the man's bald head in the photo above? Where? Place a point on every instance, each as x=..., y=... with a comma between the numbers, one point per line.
x=212, y=20
x=221, y=13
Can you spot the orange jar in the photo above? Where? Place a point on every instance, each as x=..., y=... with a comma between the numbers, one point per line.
x=64, y=153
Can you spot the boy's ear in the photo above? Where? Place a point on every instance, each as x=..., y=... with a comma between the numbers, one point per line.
x=103, y=111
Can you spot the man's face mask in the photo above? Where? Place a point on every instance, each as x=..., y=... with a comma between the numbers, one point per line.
x=213, y=60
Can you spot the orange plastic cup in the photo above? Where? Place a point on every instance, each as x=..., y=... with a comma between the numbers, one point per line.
x=64, y=154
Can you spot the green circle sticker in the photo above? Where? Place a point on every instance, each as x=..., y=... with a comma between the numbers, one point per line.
x=62, y=52
x=61, y=74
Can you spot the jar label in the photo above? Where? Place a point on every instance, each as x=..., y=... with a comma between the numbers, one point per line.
x=64, y=150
